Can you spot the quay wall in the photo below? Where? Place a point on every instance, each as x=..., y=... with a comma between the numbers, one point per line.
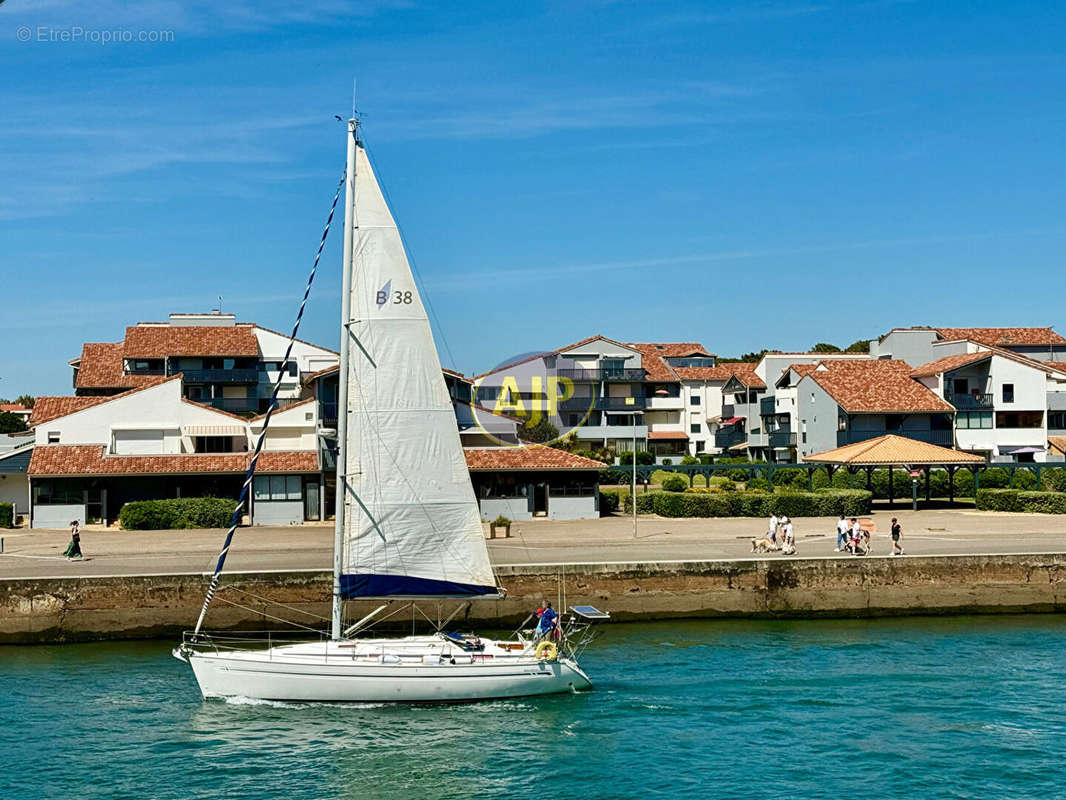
x=49, y=610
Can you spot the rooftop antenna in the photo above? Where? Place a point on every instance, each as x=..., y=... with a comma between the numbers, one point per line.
x=219, y=309
x=355, y=84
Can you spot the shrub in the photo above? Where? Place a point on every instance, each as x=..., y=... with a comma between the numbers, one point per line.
x=1055, y=479
x=184, y=512
x=830, y=502
x=994, y=478
x=644, y=502
x=1018, y=500
x=7, y=515
x=793, y=478
x=820, y=479
x=689, y=460
x=964, y=482
x=759, y=483
x=706, y=458
x=501, y=521
x=1025, y=480
x=675, y=483
x=609, y=501
x=643, y=458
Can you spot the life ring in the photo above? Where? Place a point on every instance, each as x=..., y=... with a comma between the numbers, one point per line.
x=546, y=651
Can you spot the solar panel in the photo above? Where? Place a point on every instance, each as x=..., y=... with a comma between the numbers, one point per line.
x=590, y=612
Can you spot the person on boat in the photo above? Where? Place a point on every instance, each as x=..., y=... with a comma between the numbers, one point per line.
x=549, y=623
x=74, y=548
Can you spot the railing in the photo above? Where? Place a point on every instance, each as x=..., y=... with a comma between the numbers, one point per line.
x=234, y=405
x=942, y=438
x=329, y=415
x=599, y=374
x=220, y=375
x=620, y=403
x=782, y=437
x=967, y=402
x=729, y=437
x=767, y=407
x=758, y=439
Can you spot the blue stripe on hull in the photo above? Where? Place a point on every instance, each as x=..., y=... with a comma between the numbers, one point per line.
x=403, y=586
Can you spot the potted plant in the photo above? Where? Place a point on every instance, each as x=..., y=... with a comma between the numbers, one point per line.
x=503, y=524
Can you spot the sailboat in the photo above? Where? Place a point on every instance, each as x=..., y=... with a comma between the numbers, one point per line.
x=408, y=527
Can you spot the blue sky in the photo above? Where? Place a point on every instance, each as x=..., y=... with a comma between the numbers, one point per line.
x=743, y=174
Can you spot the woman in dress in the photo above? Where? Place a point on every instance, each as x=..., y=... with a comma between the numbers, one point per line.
x=74, y=548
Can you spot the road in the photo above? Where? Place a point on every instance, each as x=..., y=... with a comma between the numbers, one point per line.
x=29, y=554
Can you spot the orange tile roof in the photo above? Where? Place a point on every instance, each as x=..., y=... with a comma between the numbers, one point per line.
x=720, y=372
x=100, y=367
x=892, y=449
x=667, y=436
x=654, y=355
x=12, y=407
x=281, y=409
x=89, y=459
x=745, y=373
x=527, y=457
x=160, y=341
x=1004, y=337
x=874, y=387
x=49, y=408
x=948, y=363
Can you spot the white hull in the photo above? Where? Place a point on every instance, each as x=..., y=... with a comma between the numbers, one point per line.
x=416, y=669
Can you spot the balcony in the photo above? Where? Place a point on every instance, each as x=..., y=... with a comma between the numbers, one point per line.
x=729, y=437
x=729, y=410
x=328, y=415
x=783, y=437
x=767, y=407
x=970, y=402
x=758, y=439
x=234, y=405
x=220, y=376
x=942, y=438
x=620, y=403
x=596, y=374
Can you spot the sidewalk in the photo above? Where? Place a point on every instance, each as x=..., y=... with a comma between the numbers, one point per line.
x=114, y=552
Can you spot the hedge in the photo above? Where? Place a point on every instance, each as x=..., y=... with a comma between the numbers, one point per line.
x=829, y=502
x=675, y=483
x=609, y=502
x=7, y=515
x=183, y=512
x=1018, y=500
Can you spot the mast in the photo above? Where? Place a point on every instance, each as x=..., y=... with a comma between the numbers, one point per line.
x=336, y=628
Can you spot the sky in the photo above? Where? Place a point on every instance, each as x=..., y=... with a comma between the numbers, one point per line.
x=742, y=174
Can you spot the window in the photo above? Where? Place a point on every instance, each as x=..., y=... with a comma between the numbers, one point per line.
x=273, y=488
x=58, y=493
x=53, y=437
x=214, y=444
x=1019, y=419
x=196, y=392
x=970, y=420
x=960, y=386
x=1008, y=393
x=1056, y=420
x=694, y=428
x=695, y=400
x=292, y=369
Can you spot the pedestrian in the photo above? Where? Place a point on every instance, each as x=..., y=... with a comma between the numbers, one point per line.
x=774, y=522
x=897, y=533
x=74, y=548
x=842, y=533
x=856, y=536
x=787, y=536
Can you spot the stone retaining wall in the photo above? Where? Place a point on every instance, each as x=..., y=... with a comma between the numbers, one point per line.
x=83, y=609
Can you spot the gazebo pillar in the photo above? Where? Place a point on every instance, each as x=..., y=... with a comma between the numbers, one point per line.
x=951, y=485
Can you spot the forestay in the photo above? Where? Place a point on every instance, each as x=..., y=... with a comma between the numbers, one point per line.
x=411, y=522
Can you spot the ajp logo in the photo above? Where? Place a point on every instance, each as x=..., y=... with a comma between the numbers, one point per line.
x=547, y=404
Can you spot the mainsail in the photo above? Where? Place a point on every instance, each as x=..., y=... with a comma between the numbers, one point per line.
x=411, y=522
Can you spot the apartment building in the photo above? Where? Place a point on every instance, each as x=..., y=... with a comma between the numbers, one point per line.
x=843, y=402
x=92, y=454
x=593, y=389
x=1009, y=406
x=921, y=345
x=228, y=365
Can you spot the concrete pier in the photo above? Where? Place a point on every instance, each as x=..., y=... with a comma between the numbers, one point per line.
x=40, y=610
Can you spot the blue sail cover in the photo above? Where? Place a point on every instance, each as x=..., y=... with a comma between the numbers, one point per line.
x=353, y=586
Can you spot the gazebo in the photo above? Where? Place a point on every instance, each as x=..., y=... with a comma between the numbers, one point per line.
x=897, y=451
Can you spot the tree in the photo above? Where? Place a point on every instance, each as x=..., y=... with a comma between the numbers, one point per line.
x=543, y=431
x=26, y=400
x=861, y=346
x=825, y=347
x=747, y=358
x=11, y=423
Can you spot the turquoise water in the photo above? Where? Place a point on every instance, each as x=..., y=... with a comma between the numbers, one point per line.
x=952, y=708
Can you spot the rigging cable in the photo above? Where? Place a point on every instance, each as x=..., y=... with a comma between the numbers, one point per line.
x=250, y=474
